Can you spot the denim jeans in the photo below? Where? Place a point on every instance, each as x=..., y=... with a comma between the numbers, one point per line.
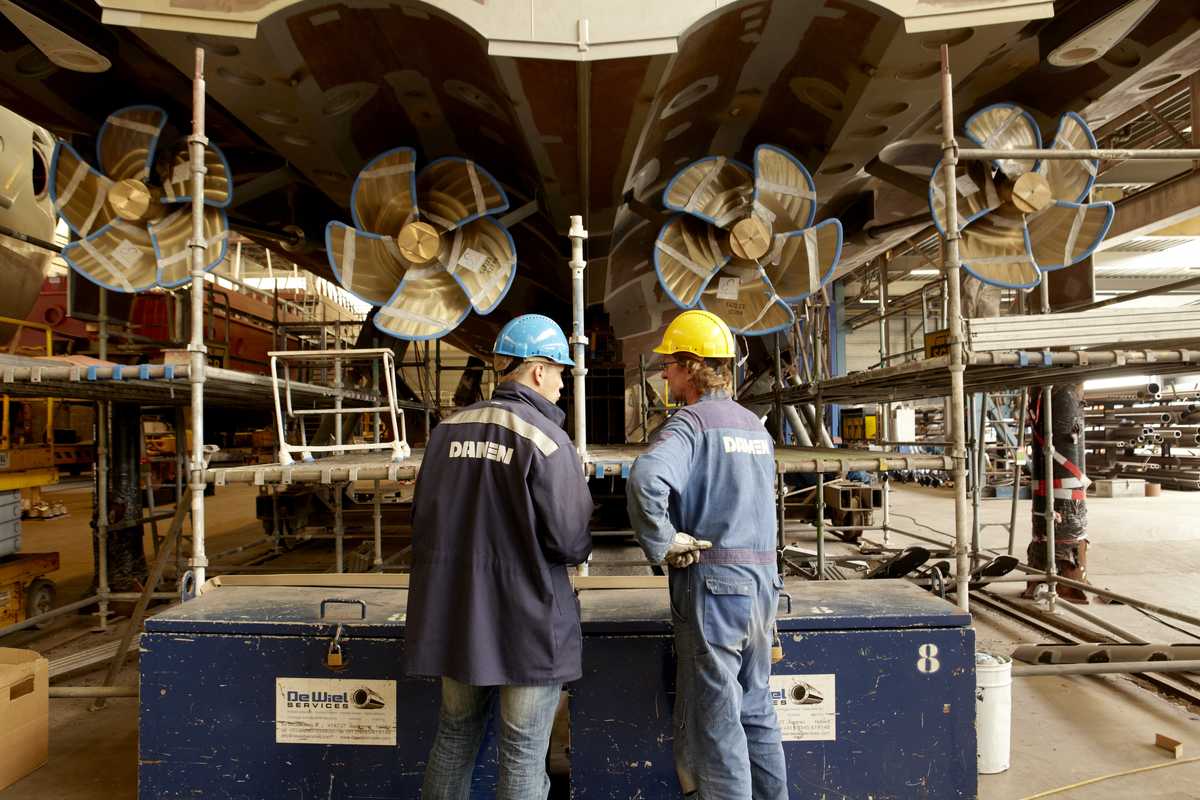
x=727, y=740
x=526, y=717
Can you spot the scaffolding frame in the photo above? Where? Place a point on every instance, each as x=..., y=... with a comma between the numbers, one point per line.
x=1045, y=367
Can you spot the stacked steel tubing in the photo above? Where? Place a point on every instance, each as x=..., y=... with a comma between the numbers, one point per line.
x=1131, y=433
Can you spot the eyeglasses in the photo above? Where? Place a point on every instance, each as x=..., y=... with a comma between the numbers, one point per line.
x=669, y=362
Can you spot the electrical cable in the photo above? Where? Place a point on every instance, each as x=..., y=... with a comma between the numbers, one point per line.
x=1162, y=621
x=922, y=525
x=1090, y=781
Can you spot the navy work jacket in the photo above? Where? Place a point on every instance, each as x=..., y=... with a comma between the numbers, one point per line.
x=501, y=508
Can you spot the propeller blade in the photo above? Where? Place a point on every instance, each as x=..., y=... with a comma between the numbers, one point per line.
x=78, y=192
x=454, y=191
x=686, y=256
x=427, y=304
x=367, y=265
x=218, y=180
x=119, y=256
x=741, y=295
x=802, y=262
x=715, y=189
x=977, y=194
x=384, y=197
x=1005, y=126
x=1066, y=233
x=62, y=49
x=1098, y=38
x=482, y=258
x=784, y=192
x=1071, y=179
x=996, y=249
x=127, y=140
x=170, y=236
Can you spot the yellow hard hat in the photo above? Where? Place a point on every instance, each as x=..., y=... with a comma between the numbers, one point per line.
x=701, y=333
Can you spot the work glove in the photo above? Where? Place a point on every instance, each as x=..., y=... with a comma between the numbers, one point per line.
x=684, y=550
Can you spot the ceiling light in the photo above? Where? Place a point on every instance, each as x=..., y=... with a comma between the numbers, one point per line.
x=924, y=273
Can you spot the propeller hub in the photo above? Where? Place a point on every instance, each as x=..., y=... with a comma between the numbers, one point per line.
x=1031, y=193
x=130, y=199
x=418, y=242
x=750, y=239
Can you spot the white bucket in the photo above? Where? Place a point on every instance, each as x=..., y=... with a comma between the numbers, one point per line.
x=993, y=711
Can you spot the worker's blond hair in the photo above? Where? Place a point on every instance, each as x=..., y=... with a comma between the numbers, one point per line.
x=708, y=374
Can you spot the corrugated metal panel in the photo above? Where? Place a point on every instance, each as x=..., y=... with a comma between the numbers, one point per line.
x=1084, y=329
x=1150, y=244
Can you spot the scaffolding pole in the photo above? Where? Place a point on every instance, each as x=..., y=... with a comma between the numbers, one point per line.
x=102, y=414
x=196, y=350
x=579, y=342
x=885, y=409
x=957, y=422
x=1048, y=472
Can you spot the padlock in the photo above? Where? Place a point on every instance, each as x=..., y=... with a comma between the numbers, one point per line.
x=776, y=647
x=334, y=658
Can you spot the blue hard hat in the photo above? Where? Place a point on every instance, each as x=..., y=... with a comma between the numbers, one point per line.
x=532, y=336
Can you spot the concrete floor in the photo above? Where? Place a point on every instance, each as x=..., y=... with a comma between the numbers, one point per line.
x=1064, y=730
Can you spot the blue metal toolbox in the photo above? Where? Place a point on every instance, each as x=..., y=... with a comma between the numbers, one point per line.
x=875, y=695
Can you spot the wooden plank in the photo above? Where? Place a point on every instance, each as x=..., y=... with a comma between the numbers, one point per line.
x=1172, y=746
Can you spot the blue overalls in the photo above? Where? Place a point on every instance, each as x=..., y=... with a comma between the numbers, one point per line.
x=710, y=472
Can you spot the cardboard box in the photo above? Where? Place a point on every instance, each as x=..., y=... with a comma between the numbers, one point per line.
x=24, y=713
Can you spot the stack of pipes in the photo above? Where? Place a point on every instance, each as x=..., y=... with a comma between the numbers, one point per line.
x=1141, y=433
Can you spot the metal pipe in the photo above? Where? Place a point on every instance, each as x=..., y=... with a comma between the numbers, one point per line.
x=1048, y=470
x=817, y=424
x=1137, y=295
x=103, y=414
x=196, y=349
x=1017, y=459
x=93, y=691
x=377, y=510
x=132, y=597
x=977, y=475
x=781, y=531
x=797, y=425
x=957, y=419
x=1091, y=653
x=820, y=523
x=778, y=387
x=644, y=399
x=1024, y=153
x=885, y=409
x=579, y=341
x=339, y=530
x=1110, y=668
x=38, y=619
x=103, y=324
x=1129, y=601
x=1100, y=622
